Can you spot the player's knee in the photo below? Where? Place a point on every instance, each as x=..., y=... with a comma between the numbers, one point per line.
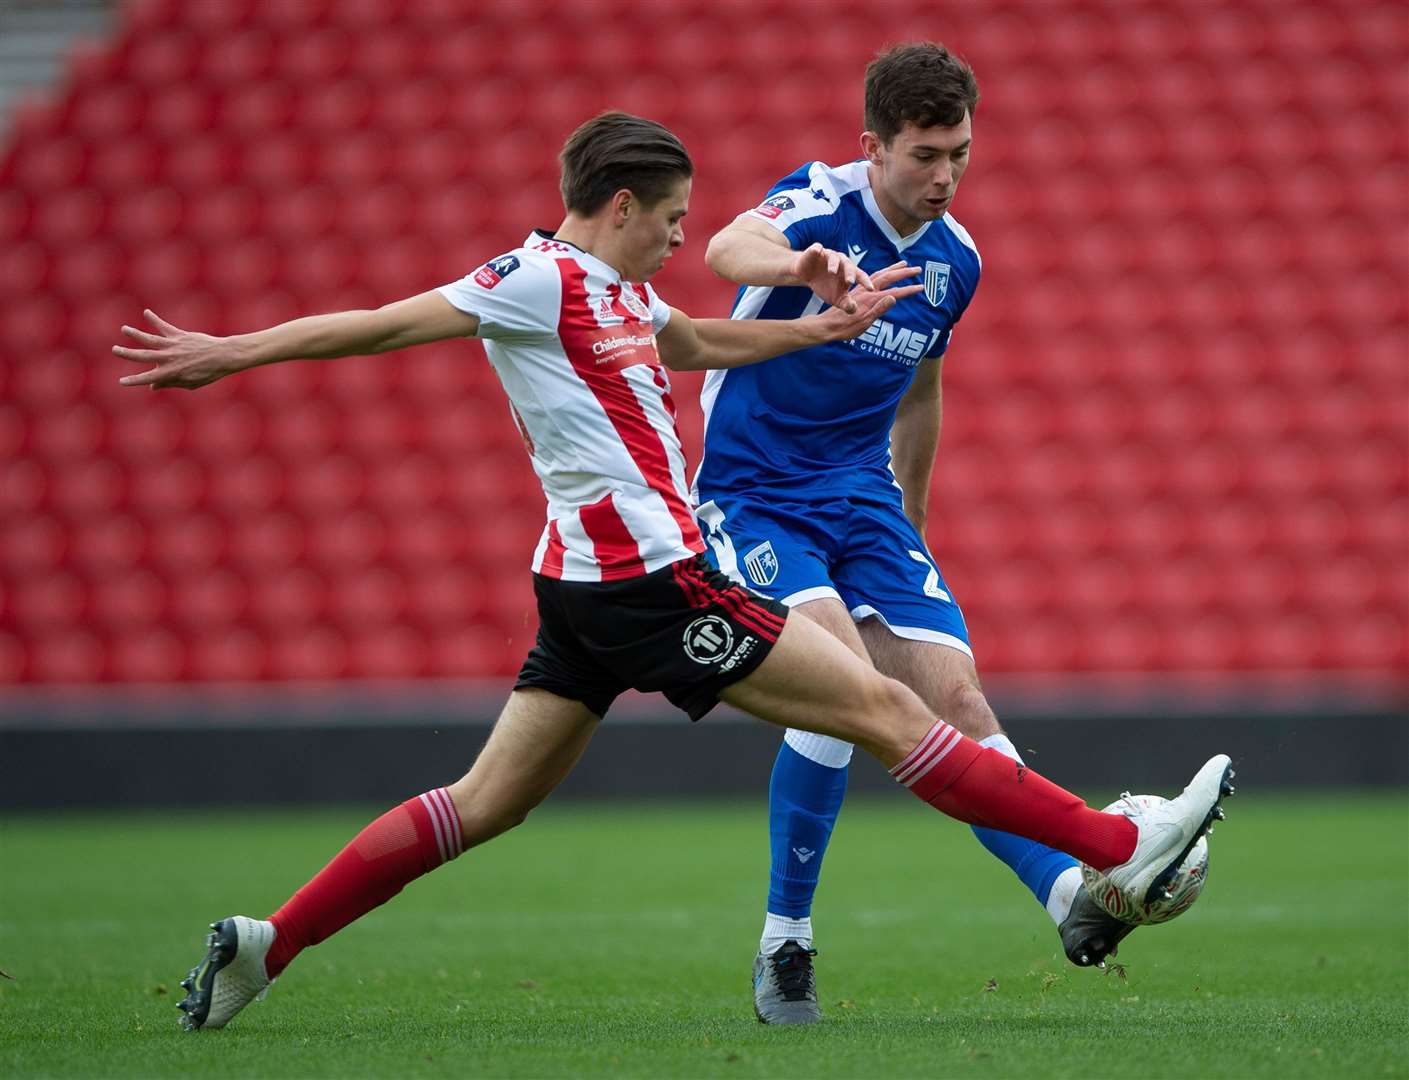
x=481, y=824
x=896, y=716
x=965, y=707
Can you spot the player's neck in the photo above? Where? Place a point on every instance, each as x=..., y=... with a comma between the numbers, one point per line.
x=595, y=237
x=899, y=220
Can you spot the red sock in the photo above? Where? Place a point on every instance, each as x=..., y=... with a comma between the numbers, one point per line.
x=970, y=782
x=385, y=857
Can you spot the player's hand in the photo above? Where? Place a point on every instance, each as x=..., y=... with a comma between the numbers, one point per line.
x=182, y=358
x=830, y=275
x=869, y=302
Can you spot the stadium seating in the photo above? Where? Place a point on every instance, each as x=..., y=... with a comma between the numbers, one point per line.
x=1176, y=416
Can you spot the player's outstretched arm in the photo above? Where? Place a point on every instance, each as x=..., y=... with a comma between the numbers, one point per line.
x=748, y=252
x=702, y=344
x=187, y=359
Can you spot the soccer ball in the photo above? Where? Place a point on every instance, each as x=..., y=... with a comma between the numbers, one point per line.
x=1188, y=880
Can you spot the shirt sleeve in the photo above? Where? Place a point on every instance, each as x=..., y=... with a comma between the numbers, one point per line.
x=803, y=207
x=515, y=297
x=660, y=310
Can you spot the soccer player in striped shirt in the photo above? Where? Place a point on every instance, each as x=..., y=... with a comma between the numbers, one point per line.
x=625, y=598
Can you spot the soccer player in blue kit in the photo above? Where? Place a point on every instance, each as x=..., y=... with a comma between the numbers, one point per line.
x=816, y=470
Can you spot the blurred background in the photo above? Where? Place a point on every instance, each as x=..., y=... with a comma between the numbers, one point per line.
x=1172, y=493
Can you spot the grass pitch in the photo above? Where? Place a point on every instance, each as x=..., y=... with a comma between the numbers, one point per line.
x=617, y=940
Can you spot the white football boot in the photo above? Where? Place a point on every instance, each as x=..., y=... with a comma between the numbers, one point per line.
x=1169, y=830
x=231, y=975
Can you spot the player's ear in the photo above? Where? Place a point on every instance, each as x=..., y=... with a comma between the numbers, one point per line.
x=623, y=205
x=871, y=147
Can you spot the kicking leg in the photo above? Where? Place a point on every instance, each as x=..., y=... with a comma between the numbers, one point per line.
x=812, y=681
x=947, y=681
x=535, y=743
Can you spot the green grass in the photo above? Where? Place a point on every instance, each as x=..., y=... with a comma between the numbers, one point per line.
x=616, y=940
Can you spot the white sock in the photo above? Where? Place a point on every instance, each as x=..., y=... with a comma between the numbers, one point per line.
x=1059, y=900
x=778, y=929
x=1003, y=745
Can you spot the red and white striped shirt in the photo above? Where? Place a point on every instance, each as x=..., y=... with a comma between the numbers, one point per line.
x=574, y=347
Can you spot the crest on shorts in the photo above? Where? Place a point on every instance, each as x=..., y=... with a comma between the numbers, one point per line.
x=936, y=281
x=762, y=563
x=708, y=639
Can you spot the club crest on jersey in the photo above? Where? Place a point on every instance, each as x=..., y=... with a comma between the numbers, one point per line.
x=936, y=282
x=762, y=563
x=708, y=639
x=776, y=206
x=635, y=304
x=496, y=270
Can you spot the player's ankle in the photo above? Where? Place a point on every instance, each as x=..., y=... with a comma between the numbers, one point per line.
x=779, y=929
x=1063, y=893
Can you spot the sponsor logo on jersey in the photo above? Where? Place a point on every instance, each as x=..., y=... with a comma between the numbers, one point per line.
x=604, y=310
x=615, y=350
x=775, y=207
x=936, y=281
x=496, y=270
x=857, y=252
x=897, y=343
x=708, y=639
x=762, y=563
x=635, y=304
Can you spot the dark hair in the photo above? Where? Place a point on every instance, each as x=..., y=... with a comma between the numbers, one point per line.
x=617, y=150
x=922, y=83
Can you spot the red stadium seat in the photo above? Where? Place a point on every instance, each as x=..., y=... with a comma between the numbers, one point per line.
x=1169, y=444
x=147, y=655
x=308, y=654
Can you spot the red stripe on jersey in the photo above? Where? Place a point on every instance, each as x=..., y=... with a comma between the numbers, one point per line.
x=665, y=397
x=616, y=549
x=577, y=329
x=553, y=553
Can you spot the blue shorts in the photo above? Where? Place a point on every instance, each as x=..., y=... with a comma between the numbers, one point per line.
x=864, y=553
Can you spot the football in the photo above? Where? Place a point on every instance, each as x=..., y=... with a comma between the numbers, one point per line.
x=1188, y=881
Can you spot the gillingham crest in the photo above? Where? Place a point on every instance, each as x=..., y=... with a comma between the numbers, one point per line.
x=762, y=563
x=936, y=282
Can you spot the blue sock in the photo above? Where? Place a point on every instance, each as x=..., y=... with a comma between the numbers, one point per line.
x=1037, y=865
x=804, y=799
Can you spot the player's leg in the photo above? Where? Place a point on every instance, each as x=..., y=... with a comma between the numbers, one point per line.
x=810, y=680
x=805, y=794
x=947, y=681
x=783, y=551
x=538, y=738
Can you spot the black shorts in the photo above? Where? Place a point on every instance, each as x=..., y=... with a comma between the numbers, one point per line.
x=685, y=630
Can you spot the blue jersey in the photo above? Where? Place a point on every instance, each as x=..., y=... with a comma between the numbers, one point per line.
x=818, y=420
